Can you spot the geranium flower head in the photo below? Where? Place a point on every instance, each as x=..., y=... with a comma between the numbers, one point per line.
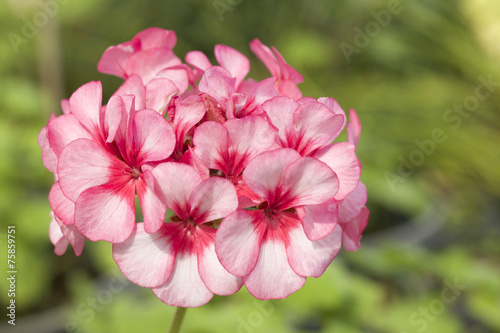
x=261, y=191
x=304, y=127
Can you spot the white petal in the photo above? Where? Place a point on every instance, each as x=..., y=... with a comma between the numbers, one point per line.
x=185, y=287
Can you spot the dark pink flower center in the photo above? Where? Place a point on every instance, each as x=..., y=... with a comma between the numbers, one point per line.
x=135, y=172
x=190, y=224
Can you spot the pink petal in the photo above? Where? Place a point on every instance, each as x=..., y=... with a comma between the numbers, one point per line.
x=289, y=89
x=153, y=209
x=334, y=106
x=265, y=173
x=311, y=258
x=288, y=78
x=260, y=93
x=85, y=105
x=57, y=238
x=65, y=106
x=49, y=158
x=198, y=60
x=64, y=129
x=134, y=86
x=272, y=277
x=265, y=55
x=174, y=183
x=158, y=94
x=114, y=59
x=318, y=220
x=308, y=182
x=154, y=139
x=73, y=236
x=190, y=158
x=146, y=259
x=62, y=207
x=249, y=137
x=316, y=126
x=178, y=74
x=157, y=38
x=42, y=136
x=185, y=287
x=188, y=113
x=280, y=110
x=218, y=83
x=106, y=212
x=213, y=199
x=234, y=61
x=246, y=197
x=248, y=85
x=305, y=100
x=341, y=158
x=212, y=273
x=112, y=117
x=287, y=71
x=211, y=144
x=84, y=164
x=353, y=230
x=353, y=128
x=148, y=63
x=237, y=241
x=351, y=206
x=124, y=137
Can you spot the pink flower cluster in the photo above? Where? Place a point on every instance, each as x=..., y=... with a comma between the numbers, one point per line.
x=257, y=191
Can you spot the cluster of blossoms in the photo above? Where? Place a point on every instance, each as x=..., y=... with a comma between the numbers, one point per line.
x=256, y=191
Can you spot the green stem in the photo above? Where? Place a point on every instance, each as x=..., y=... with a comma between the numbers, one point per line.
x=177, y=322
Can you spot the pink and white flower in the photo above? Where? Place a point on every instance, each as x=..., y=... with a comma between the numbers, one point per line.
x=309, y=127
x=102, y=175
x=229, y=147
x=303, y=127
x=267, y=247
x=178, y=261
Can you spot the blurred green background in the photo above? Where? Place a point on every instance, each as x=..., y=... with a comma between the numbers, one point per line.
x=415, y=72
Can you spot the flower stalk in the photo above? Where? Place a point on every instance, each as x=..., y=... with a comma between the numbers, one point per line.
x=177, y=322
